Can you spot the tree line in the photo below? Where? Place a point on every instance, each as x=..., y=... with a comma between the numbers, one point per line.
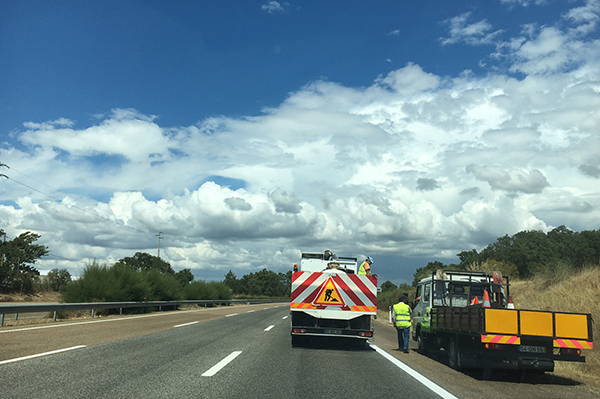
x=144, y=276
x=528, y=253
x=262, y=283
x=523, y=255
x=133, y=278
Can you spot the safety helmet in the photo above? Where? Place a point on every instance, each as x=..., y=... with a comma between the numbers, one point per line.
x=370, y=259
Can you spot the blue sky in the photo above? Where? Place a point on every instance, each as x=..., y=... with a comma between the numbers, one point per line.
x=400, y=129
x=191, y=60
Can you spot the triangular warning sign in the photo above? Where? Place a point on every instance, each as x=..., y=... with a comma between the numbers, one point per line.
x=329, y=295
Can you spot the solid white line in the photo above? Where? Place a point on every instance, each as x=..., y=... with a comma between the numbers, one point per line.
x=268, y=328
x=41, y=354
x=285, y=317
x=186, y=324
x=217, y=367
x=232, y=314
x=105, y=320
x=423, y=380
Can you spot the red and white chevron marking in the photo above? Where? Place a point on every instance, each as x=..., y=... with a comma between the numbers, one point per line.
x=359, y=293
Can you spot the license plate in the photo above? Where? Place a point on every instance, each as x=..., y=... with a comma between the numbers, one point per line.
x=532, y=349
x=332, y=331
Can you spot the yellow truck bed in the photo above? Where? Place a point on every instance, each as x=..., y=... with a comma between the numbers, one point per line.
x=508, y=326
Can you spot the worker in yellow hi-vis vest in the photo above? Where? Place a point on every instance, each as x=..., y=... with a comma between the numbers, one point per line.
x=365, y=267
x=402, y=316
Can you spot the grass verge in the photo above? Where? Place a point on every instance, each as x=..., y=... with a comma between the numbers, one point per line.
x=579, y=293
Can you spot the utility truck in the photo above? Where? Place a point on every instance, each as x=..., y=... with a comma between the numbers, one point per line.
x=471, y=316
x=329, y=299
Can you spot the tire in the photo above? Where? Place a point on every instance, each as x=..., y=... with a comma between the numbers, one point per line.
x=421, y=343
x=454, y=354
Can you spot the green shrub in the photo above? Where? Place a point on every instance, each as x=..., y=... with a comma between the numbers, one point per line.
x=163, y=287
x=199, y=290
x=390, y=298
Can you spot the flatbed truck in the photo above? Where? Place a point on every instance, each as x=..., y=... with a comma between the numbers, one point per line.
x=471, y=316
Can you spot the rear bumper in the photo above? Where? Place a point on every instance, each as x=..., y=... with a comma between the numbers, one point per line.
x=518, y=362
x=332, y=332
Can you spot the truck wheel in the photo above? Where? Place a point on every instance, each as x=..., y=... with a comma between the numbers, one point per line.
x=421, y=343
x=454, y=354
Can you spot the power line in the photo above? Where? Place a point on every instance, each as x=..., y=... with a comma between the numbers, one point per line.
x=60, y=201
x=53, y=188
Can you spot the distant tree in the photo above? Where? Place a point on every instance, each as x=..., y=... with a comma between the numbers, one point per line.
x=431, y=267
x=262, y=283
x=232, y=282
x=143, y=261
x=468, y=257
x=58, y=279
x=528, y=250
x=388, y=286
x=184, y=276
x=16, y=259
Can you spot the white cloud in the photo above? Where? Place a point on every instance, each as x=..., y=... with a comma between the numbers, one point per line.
x=414, y=164
x=512, y=181
x=273, y=7
x=474, y=34
x=524, y=3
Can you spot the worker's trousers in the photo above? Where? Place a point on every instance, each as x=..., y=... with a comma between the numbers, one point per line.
x=403, y=336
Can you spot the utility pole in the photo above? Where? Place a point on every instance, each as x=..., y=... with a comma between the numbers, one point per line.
x=2, y=254
x=159, y=238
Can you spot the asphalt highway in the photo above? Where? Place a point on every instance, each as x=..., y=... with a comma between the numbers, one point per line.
x=232, y=352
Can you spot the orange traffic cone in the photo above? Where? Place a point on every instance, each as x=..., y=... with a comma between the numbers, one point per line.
x=510, y=304
x=475, y=301
x=486, y=299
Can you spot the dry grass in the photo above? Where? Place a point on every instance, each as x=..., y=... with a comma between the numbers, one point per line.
x=50, y=296
x=578, y=293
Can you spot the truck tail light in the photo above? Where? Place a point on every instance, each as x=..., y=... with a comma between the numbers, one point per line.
x=570, y=351
x=494, y=346
x=299, y=330
x=365, y=334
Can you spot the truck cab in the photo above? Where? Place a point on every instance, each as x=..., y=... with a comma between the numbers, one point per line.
x=455, y=289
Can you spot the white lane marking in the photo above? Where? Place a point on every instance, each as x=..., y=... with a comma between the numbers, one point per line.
x=269, y=328
x=419, y=377
x=232, y=314
x=250, y=311
x=285, y=317
x=217, y=367
x=41, y=354
x=186, y=324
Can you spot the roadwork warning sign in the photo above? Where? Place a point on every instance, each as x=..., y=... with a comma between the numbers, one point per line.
x=329, y=295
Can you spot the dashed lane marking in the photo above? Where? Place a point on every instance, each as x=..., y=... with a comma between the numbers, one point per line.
x=217, y=367
x=186, y=324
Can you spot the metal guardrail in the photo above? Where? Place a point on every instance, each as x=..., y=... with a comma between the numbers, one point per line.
x=56, y=307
